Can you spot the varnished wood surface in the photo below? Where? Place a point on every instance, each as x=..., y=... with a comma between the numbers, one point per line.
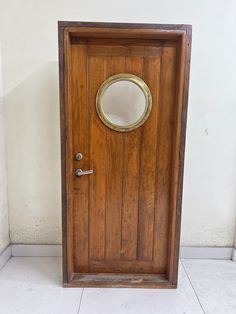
x=120, y=281
x=125, y=218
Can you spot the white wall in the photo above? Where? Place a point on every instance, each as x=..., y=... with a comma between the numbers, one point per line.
x=4, y=225
x=235, y=237
x=29, y=44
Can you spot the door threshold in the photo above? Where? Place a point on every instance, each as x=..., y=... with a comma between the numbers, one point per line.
x=113, y=280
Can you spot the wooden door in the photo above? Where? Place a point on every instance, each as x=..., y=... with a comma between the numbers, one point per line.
x=121, y=223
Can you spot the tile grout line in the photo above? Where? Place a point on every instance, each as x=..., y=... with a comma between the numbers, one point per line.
x=192, y=286
x=80, y=301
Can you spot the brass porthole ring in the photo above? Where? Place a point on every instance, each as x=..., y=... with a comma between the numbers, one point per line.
x=124, y=77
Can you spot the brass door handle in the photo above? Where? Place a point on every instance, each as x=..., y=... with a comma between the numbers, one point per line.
x=80, y=172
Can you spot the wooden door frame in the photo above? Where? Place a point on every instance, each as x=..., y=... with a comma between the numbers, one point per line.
x=68, y=31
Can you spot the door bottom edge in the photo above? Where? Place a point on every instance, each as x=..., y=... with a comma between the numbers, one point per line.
x=120, y=281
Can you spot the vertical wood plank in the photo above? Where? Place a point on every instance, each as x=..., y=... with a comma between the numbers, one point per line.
x=98, y=151
x=80, y=144
x=178, y=157
x=114, y=167
x=147, y=191
x=131, y=157
x=67, y=172
x=164, y=157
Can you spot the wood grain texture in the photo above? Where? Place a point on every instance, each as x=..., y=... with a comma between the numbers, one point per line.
x=164, y=157
x=114, y=164
x=147, y=189
x=131, y=168
x=120, y=281
x=124, y=50
x=80, y=144
x=66, y=155
x=63, y=131
x=98, y=151
x=125, y=218
x=182, y=78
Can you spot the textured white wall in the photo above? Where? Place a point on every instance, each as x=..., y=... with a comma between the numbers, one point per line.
x=235, y=236
x=4, y=225
x=29, y=44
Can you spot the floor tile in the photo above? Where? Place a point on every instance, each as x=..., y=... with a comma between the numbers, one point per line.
x=142, y=301
x=215, y=284
x=34, y=285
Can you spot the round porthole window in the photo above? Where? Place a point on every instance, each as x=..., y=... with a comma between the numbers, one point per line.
x=123, y=102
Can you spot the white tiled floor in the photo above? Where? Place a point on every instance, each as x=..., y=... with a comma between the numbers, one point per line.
x=32, y=285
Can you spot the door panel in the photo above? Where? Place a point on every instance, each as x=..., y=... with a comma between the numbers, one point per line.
x=123, y=218
x=117, y=209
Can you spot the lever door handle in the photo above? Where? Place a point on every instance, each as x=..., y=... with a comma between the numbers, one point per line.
x=80, y=172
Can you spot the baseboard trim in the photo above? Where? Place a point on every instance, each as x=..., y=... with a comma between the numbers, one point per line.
x=35, y=250
x=234, y=255
x=5, y=256
x=44, y=250
x=206, y=252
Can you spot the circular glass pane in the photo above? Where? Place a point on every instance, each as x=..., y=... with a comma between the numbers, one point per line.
x=123, y=102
